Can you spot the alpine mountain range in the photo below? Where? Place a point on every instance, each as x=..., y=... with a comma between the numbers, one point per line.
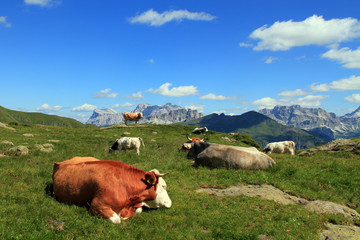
x=313, y=120
x=154, y=114
x=317, y=121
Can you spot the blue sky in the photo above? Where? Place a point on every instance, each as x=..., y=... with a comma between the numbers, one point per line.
x=69, y=57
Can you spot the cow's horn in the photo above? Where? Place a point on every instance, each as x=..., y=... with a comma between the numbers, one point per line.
x=161, y=175
x=157, y=173
x=187, y=136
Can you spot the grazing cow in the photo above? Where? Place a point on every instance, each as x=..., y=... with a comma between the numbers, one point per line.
x=230, y=157
x=280, y=147
x=132, y=117
x=124, y=143
x=112, y=190
x=202, y=130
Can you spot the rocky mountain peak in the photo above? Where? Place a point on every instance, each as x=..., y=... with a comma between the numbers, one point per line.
x=354, y=114
x=104, y=111
x=156, y=114
x=316, y=120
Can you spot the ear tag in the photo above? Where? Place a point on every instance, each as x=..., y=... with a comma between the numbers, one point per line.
x=149, y=182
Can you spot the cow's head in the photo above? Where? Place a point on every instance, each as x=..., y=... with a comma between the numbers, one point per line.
x=114, y=147
x=195, y=148
x=194, y=139
x=140, y=115
x=162, y=198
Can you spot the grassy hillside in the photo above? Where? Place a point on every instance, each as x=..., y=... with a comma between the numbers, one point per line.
x=28, y=212
x=259, y=127
x=10, y=116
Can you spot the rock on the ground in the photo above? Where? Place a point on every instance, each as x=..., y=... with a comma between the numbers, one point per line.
x=340, y=232
x=5, y=142
x=20, y=150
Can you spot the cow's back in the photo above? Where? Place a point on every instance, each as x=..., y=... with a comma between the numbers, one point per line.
x=128, y=115
x=79, y=180
x=231, y=157
x=73, y=180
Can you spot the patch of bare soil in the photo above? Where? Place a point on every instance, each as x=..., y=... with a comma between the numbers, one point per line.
x=269, y=192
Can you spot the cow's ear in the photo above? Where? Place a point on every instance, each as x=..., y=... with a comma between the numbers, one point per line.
x=150, y=178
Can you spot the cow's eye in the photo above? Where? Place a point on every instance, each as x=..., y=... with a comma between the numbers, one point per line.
x=164, y=186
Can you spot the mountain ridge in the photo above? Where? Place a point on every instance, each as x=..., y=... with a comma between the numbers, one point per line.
x=153, y=114
x=259, y=127
x=317, y=121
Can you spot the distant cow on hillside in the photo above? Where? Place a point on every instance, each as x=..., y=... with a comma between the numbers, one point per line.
x=200, y=130
x=132, y=117
x=280, y=147
x=125, y=143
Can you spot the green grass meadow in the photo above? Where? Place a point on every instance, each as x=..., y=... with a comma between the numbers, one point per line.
x=28, y=211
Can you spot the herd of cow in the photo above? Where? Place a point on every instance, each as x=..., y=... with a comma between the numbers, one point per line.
x=116, y=191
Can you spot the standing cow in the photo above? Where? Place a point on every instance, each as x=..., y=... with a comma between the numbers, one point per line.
x=230, y=157
x=280, y=147
x=132, y=117
x=124, y=143
x=113, y=190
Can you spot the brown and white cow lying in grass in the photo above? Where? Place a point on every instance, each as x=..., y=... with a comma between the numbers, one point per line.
x=280, y=147
x=214, y=155
x=113, y=190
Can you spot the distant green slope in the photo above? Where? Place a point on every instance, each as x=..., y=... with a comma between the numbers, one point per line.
x=259, y=127
x=8, y=116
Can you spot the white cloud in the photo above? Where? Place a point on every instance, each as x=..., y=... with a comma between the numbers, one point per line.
x=47, y=107
x=127, y=104
x=295, y=93
x=105, y=94
x=135, y=96
x=354, y=98
x=270, y=60
x=265, y=102
x=351, y=83
x=312, y=31
x=246, y=45
x=346, y=56
x=174, y=92
x=198, y=107
x=306, y=101
x=84, y=108
x=220, y=111
x=300, y=58
x=43, y=3
x=151, y=61
x=310, y=100
x=4, y=22
x=154, y=18
x=212, y=96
